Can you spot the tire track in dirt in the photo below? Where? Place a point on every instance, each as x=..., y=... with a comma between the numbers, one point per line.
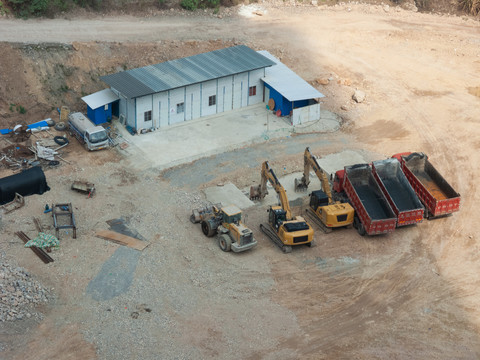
x=346, y=303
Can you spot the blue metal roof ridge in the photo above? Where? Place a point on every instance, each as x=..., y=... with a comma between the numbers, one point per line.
x=186, y=71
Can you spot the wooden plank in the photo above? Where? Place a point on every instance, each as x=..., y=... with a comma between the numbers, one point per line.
x=122, y=239
x=37, y=224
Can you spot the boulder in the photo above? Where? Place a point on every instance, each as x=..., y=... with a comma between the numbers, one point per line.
x=359, y=96
x=322, y=81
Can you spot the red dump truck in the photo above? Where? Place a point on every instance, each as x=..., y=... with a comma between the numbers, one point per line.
x=432, y=189
x=373, y=214
x=397, y=190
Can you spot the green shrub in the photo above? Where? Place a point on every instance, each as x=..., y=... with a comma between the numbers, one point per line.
x=3, y=9
x=29, y=8
x=203, y=4
x=189, y=4
x=212, y=3
x=94, y=4
x=423, y=5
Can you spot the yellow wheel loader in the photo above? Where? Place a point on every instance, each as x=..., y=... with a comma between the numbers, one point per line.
x=226, y=223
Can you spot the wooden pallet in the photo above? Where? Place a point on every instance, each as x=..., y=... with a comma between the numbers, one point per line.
x=122, y=239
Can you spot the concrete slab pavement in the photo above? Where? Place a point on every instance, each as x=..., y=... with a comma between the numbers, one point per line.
x=229, y=193
x=288, y=183
x=333, y=162
x=195, y=139
x=226, y=195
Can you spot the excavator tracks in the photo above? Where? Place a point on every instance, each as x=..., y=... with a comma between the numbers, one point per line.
x=267, y=230
x=314, y=218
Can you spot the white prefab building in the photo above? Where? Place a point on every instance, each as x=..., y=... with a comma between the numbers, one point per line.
x=179, y=90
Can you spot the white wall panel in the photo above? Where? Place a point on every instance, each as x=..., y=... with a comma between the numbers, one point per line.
x=160, y=109
x=225, y=94
x=240, y=90
x=192, y=102
x=144, y=104
x=176, y=96
x=305, y=114
x=254, y=80
x=131, y=112
x=208, y=89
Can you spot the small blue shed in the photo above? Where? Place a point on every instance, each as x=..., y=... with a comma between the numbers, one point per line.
x=282, y=103
x=287, y=89
x=101, y=106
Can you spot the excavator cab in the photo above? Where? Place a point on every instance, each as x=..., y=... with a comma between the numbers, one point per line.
x=277, y=217
x=318, y=198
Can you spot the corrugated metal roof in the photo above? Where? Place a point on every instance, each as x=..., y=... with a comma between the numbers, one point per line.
x=186, y=71
x=286, y=82
x=100, y=98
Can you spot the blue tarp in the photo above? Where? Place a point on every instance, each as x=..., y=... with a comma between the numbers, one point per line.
x=42, y=123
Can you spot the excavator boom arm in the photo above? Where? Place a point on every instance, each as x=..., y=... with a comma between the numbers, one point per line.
x=269, y=175
x=311, y=162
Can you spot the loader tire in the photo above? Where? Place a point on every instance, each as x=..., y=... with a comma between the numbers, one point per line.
x=224, y=242
x=207, y=229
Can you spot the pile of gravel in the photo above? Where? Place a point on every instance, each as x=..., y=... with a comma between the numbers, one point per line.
x=19, y=293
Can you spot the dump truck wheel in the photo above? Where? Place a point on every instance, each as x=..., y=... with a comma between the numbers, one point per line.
x=207, y=228
x=286, y=249
x=361, y=229
x=224, y=242
x=355, y=222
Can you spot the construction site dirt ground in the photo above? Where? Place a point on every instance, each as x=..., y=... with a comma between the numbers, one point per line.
x=411, y=294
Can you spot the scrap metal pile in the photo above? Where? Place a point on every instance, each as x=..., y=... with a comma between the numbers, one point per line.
x=24, y=148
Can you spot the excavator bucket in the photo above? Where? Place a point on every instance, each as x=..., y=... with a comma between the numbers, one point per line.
x=300, y=184
x=256, y=192
x=200, y=214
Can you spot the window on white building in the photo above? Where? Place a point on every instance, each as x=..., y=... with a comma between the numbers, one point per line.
x=180, y=108
x=212, y=100
x=252, y=91
x=147, y=116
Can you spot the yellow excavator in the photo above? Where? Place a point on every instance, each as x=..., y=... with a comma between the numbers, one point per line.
x=283, y=229
x=324, y=210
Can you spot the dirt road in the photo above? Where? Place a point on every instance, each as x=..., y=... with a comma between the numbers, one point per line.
x=413, y=294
